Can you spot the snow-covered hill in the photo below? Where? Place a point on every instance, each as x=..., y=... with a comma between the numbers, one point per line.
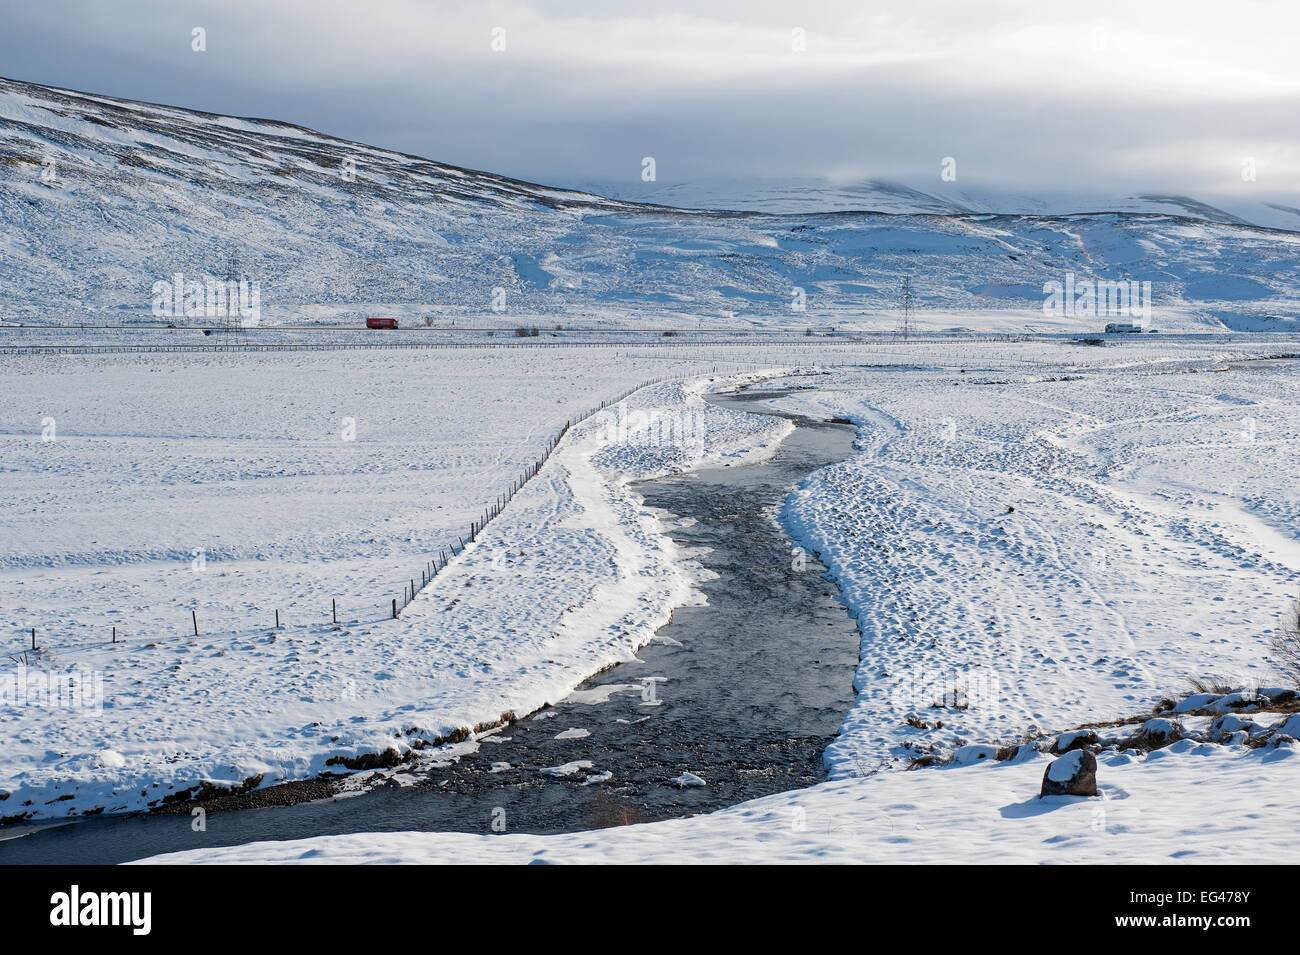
x=102, y=198
x=942, y=198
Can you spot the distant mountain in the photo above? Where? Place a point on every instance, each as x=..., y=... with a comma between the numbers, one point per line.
x=800, y=196
x=103, y=198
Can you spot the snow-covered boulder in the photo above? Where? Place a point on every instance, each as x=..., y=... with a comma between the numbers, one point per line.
x=1077, y=739
x=1277, y=694
x=1242, y=700
x=1228, y=724
x=110, y=759
x=1074, y=774
x=975, y=753
x=1290, y=727
x=1157, y=732
x=1195, y=702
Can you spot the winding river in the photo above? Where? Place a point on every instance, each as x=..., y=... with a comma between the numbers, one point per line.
x=734, y=699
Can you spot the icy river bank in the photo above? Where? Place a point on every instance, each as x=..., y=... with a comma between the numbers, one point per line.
x=737, y=698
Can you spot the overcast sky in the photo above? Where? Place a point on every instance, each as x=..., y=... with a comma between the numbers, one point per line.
x=1114, y=97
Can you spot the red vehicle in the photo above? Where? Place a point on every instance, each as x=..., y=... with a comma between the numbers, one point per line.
x=381, y=323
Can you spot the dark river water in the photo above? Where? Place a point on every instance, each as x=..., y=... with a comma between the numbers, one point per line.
x=744, y=693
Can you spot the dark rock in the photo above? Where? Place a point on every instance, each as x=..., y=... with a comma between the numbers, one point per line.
x=1074, y=774
x=385, y=760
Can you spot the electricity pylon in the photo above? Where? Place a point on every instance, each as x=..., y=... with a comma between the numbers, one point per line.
x=906, y=328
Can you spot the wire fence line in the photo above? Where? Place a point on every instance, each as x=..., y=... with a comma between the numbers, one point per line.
x=392, y=606
x=494, y=510
x=36, y=341
x=175, y=348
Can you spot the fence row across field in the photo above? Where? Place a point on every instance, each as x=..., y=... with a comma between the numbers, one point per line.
x=39, y=340
x=392, y=606
x=492, y=511
x=265, y=346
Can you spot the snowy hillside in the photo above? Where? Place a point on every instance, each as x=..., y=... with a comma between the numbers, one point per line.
x=102, y=198
x=935, y=197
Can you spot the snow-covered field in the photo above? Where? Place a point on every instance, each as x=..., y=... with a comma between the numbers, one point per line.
x=144, y=488
x=1172, y=807
x=1027, y=550
x=1039, y=550
x=1032, y=536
